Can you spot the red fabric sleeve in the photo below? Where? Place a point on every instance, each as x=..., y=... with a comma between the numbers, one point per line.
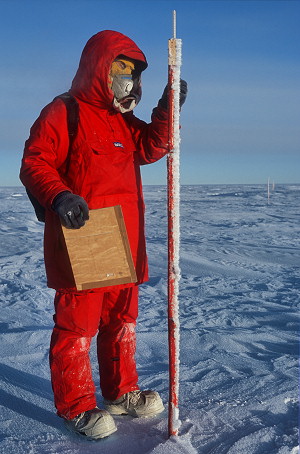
x=151, y=139
x=45, y=151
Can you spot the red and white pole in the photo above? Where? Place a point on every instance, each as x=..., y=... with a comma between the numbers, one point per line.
x=174, y=64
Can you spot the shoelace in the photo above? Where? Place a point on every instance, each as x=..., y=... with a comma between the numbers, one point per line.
x=81, y=416
x=133, y=397
x=78, y=418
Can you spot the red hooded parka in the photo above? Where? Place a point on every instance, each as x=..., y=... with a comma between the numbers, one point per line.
x=106, y=156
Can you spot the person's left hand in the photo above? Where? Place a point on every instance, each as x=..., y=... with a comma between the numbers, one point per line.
x=163, y=102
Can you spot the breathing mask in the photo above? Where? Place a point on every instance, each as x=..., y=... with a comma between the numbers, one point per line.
x=125, y=82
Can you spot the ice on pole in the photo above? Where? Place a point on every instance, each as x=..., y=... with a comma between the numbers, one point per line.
x=173, y=165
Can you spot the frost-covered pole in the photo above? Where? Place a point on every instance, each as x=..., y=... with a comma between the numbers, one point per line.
x=174, y=64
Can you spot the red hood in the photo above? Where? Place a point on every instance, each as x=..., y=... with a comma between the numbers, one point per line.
x=90, y=81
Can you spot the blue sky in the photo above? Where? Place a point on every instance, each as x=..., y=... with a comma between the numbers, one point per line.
x=241, y=59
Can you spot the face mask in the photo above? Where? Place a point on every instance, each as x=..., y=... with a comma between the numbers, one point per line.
x=125, y=82
x=122, y=85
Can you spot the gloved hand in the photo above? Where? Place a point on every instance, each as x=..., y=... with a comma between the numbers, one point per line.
x=72, y=209
x=163, y=102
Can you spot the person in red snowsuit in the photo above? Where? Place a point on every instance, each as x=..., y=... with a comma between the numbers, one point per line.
x=104, y=170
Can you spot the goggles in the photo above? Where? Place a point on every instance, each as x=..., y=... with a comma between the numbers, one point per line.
x=122, y=66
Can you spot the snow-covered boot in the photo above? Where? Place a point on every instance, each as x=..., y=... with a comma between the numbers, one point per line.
x=92, y=424
x=136, y=403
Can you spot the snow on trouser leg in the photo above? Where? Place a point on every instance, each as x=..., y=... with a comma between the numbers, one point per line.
x=71, y=374
x=116, y=343
x=76, y=322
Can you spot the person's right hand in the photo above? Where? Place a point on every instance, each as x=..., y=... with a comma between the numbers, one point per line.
x=72, y=209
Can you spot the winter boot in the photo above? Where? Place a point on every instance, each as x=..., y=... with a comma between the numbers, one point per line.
x=93, y=424
x=136, y=403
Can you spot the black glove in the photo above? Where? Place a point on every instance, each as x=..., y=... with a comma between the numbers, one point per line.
x=72, y=209
x=163, y=102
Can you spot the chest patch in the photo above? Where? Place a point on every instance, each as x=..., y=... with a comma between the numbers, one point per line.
x=118, y=144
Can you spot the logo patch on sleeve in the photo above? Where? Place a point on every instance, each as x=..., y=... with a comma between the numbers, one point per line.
x=118, y=144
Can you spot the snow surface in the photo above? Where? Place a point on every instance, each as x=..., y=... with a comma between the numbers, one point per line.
x=239, y=298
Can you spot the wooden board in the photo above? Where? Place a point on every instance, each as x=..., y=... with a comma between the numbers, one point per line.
x=99, y=251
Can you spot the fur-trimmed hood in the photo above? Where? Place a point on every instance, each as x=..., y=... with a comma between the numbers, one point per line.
x=90, y=83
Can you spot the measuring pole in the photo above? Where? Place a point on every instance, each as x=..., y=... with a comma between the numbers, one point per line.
x=174, y=63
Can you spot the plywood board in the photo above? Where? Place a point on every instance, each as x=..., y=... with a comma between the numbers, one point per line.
x=99, y=251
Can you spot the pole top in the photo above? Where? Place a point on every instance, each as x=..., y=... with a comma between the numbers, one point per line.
x=174, y=24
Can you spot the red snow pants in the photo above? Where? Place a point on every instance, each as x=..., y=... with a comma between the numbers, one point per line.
x=78, y=318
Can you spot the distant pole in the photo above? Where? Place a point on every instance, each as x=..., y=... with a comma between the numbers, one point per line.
x=174, y=63
x=269, y=190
